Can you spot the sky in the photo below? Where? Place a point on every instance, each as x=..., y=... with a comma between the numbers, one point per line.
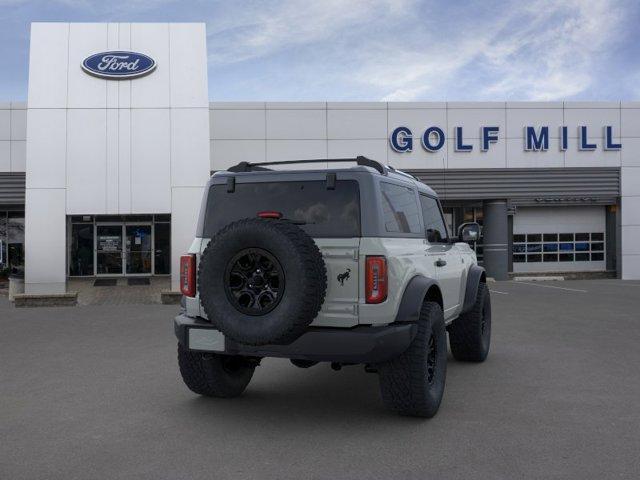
x=359, y=50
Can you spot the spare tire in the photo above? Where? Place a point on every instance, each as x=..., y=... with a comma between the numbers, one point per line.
x=262, y=281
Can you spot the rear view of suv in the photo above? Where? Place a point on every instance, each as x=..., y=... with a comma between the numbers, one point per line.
x=344, y=265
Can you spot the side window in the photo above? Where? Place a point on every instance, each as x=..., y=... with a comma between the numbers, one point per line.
x=400, y=209
x=433, y=223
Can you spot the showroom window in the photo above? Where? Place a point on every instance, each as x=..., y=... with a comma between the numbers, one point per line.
x=116, y=245
x=558, y=247
x=11, y=242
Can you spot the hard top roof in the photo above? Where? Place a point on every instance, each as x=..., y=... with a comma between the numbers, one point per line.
x=363, y=164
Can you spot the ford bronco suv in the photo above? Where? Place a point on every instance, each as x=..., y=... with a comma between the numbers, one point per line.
x=344, y=265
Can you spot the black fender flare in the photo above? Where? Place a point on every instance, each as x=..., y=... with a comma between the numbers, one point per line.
x=412, y=298
x=475, y=276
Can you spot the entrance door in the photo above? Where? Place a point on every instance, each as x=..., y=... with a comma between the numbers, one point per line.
x=109, y=250
x=139, y=251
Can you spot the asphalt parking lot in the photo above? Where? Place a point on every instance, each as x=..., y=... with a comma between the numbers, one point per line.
x=94, y=392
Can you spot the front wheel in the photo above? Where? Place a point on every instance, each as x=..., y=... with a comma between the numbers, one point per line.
x=413, y=383
x=215, y=375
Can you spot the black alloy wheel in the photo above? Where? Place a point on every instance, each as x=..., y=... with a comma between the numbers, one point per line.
x=254, y=281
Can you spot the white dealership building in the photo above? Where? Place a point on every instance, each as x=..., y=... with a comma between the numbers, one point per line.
x=103, y=167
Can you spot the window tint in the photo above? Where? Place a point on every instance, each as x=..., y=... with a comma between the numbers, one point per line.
x=399, y=209
x=322, y=212
x=433, y=223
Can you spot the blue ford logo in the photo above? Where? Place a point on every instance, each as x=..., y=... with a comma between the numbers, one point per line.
x=118, y=65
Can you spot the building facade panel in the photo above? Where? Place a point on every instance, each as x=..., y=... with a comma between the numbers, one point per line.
x=154, y=90
x=86, y=179
x=151, y=160
x=278, y=150
x=18, y=156
x=83, y=91
x=226, y=153
x=48, y=61
x=47, y=152
x=5, y=124
x=356, y=123
x=241, y=124
x=5, y=156
x=303, y=124
x=188, y=51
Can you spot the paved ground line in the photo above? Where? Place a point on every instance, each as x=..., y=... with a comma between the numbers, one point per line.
x=551, y=286
x=496, y=291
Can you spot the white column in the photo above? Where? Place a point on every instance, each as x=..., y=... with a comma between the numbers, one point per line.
x=45, y=241
x=630, y=179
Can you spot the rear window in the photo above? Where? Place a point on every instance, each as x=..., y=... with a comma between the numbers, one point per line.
x=325, y=213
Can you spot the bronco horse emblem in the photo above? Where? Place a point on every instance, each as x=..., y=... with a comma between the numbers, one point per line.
x=343, y=276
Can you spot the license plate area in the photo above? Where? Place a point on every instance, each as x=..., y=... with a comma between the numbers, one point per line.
x=206, y=339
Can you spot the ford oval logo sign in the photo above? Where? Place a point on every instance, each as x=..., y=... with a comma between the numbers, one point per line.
x=118, y=65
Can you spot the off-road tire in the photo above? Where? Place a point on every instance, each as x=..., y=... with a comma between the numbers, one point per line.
x=305, y=281
x=470, y=333
x=303, y=363
x=404, y=381
x=214, y=375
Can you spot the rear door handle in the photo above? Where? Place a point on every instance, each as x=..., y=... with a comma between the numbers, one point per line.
x=440, y=262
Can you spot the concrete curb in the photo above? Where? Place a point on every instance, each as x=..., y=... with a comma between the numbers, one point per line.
x=170, y=298
x=24, y=300
x=538, y=278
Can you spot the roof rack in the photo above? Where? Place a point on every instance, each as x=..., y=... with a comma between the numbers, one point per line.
x=400, y=172
x=362, y=161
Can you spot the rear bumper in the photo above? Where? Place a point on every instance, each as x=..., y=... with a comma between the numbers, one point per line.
x=362, y=344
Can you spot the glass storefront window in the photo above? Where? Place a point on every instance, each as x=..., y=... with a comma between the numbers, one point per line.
x=15, y=241
x=4, y=261
x=81, y=250
x=138, y=249
x=526, y=247
x=109, y=249
x=113, y=245
x=162, y=249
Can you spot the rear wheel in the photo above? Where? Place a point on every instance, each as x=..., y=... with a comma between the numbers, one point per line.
x=215, y=375
x=303, y=363
x=413, y=383
x=470, y=333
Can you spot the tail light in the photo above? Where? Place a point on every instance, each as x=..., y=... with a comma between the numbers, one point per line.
x=270, y=214
x=376, y=279
x=188, y=275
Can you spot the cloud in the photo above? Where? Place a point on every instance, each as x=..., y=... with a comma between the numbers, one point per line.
x=408, y=50
x=267, y=28
x=546, y=51
x=553, y=54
